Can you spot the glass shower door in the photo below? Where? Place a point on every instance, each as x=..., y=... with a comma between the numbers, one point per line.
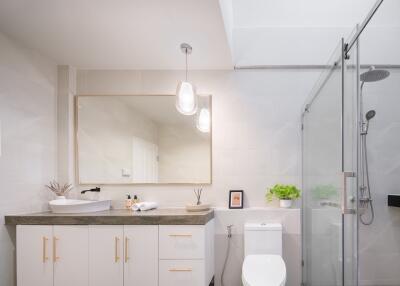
x=327, y=232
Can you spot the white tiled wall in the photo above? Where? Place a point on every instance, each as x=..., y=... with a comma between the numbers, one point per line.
x=256, y=129
x=28, y=125
x=379, y=242
x=256, y=143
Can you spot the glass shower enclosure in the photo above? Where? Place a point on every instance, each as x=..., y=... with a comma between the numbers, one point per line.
x=329, y=144
x=340, y=244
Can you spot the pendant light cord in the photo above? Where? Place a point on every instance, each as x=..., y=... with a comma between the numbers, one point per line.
x=186, y=52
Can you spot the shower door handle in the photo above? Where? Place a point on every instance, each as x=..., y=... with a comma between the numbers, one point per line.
x=345, y=208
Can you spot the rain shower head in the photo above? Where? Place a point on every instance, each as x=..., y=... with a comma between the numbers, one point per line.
x=370, y=114
x=374, y=75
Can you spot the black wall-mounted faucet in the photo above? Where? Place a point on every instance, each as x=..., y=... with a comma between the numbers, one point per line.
x=97, y=190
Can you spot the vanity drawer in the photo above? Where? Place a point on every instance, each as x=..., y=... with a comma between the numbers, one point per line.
x=181, y=273
x=182, y=242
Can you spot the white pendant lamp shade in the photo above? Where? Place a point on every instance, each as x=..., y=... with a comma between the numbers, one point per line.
x=203, y=120
x=186, y=98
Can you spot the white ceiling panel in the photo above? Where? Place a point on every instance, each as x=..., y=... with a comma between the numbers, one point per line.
x=120, y=34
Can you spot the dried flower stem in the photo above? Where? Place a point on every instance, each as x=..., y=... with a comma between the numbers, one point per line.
x=59, y=190
x=198, y=193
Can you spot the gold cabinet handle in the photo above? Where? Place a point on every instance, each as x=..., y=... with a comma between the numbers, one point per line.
x=180, y=270
x=44, y=256
x=180, y=235
x=117, y=249
x=126, y=249
x=55, y=257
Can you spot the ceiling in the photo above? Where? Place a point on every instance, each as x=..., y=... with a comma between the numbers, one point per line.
x=120, y=34
x=146, y=34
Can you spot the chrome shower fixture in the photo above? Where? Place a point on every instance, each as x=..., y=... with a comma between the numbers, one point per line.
x=374, y=74
x=370, y=114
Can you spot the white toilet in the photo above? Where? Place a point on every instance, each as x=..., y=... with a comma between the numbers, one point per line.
x=263, y=264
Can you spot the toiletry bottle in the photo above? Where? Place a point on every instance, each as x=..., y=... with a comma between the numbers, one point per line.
x=128, y=201
x=135, y=199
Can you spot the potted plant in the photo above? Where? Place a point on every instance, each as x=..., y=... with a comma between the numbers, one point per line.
x=325, y=193
x=285, y=193
x=59, y=190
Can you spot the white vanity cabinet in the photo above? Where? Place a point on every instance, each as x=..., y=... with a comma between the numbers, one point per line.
x=106, y=264
x=141, y=255
x=186, y=254
x=117, y=255
x=70, y=250
x=52, y=255
x=34, y=255
x=123, y=255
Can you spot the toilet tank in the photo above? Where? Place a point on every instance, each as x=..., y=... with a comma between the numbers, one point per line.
x=262, y=238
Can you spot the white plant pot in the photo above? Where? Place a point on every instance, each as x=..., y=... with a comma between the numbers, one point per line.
x=60, y=197
x=285, y=203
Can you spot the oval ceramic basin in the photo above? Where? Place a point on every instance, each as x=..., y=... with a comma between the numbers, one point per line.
x=78, y=206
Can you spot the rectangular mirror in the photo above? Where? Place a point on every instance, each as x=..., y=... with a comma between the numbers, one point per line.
x=142, y=139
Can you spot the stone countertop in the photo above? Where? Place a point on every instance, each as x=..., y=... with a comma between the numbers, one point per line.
x=167, y=216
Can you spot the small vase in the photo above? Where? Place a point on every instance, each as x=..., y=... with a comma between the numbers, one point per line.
x=285, y=203
x=60, y=197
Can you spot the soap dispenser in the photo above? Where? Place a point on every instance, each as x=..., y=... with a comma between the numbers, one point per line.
x=128, y=202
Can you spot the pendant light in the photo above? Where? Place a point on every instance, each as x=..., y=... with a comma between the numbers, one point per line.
x=203, y=116
x=186, y=98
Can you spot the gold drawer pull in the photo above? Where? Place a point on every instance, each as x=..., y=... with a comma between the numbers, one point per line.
x=180, y=270
x=117, y=249
x=55, y=257
x=180, y=235
x=126, y=249
x=45, y=257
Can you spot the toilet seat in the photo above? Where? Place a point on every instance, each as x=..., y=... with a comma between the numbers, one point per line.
x=263, y=270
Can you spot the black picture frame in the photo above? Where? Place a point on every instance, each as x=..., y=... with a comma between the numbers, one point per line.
x=235, y=206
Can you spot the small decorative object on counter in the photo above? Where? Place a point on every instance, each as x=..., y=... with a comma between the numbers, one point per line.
x=128, y=202
x=59, y=190
x=198, y=192
x=198, y=207
x=236, y=199
x=136, y=199
x=285, y=193
x=144, y=206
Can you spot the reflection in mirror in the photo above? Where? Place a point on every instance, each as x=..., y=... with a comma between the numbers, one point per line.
x=142, y=139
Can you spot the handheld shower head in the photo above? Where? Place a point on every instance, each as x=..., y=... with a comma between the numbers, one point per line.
x=373, y=75
x=370, y=114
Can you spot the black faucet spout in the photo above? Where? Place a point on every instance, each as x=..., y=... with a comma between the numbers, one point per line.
x=97, y=190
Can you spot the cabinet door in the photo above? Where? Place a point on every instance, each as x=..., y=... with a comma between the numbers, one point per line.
x=182, y=241
x=71, y=255
x=106, y=264
x=182, y=273
x=34, y=255
x=141, y=255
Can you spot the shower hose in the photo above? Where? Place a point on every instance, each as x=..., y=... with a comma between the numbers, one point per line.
x=228, y=248
x=366, y=189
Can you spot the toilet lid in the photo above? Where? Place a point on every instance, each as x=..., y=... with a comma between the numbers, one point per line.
x=263, y=270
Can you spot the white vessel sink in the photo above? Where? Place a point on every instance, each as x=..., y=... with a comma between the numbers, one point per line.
x=66, y=206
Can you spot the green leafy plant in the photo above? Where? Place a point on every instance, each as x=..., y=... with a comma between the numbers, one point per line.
x=321, y=192
x=283, y=192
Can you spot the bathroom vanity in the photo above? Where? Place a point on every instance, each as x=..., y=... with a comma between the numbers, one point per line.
x=166, y=247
